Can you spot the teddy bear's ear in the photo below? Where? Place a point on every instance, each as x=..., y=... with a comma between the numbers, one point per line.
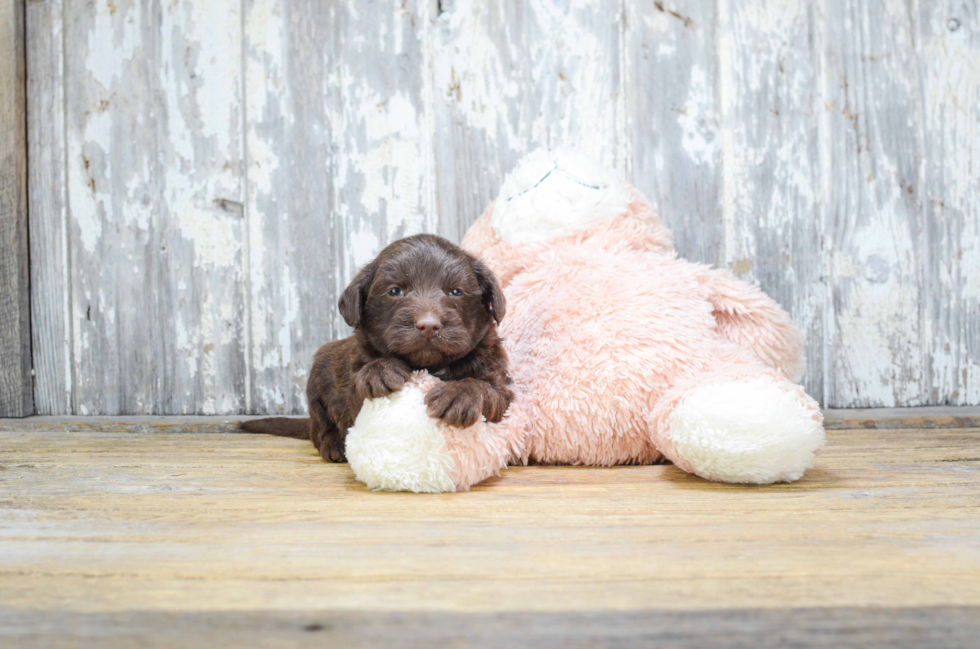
x=493, y=296
x=355, y=295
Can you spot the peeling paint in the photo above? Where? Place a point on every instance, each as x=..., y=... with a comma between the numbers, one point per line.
x=949, y=58
x=153, y=139
x=225, y=175
x=696, y=119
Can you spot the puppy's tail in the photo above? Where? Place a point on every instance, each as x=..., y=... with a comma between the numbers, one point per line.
x=279, y=426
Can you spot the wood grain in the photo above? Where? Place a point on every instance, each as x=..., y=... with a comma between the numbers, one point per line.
x=674, y=112
x=846, y=419
x=899, y=418
x=104, y=522
x=830, y=627
x=51, y=279
x=16, y=390
x=771, y=180
x=871, y=163
x=339, y=166
x=948, y=57
x=243, y=160
x=154, y=169
x=510, y=77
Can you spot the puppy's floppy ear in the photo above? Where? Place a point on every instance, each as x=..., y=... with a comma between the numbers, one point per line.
x=493, y=296
x=352, y=301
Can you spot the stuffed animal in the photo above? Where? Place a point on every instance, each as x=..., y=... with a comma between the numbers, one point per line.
x=620, y=352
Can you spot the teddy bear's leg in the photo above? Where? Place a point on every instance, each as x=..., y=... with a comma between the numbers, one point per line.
x=740, y=424
x=752, y=320
x=483, y=449
x=394, y=445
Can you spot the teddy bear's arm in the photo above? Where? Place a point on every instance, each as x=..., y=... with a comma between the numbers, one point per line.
x=748, y=317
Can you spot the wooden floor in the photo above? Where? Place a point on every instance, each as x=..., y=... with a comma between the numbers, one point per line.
x=162, y=537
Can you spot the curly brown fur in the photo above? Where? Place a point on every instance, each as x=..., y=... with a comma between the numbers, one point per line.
x=423, y=303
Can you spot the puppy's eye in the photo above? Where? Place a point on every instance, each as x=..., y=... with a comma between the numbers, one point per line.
x=455, y=292
x=395, y=292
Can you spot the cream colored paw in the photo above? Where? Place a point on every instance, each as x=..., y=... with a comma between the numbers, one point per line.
x=755, y=431
x=395, y=446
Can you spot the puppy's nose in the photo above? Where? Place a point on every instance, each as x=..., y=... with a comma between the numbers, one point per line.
x=428, y=324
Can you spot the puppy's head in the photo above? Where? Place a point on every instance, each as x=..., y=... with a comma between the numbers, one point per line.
x=425, y=300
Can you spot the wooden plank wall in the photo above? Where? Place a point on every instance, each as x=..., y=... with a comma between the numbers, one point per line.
x=16, y=390
x=206, y=176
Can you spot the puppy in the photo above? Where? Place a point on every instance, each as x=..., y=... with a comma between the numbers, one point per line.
x=424, y=303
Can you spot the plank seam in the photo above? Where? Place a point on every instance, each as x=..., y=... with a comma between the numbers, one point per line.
x=69, y=299
x=721, y=20
x=926, y=334
x=246, y=213
x=433, y=218
x=624, y=100
x=827, y=240
x=914, y=418
x=27, y=222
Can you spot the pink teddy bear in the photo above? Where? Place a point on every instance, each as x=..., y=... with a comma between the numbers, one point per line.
x=621, y=353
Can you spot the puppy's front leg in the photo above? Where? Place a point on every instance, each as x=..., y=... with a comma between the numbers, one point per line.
x=460, y=403
x=381, y=377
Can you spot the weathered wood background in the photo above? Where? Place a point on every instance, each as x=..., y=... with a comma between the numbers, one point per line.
x=206, y=176
x=16, y=393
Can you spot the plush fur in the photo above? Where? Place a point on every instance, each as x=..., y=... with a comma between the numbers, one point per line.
x=399, y=447
x=551, y=195
x=622, y=353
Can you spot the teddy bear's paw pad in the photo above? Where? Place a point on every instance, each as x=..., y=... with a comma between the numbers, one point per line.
x=395, y=446
x=755, y=431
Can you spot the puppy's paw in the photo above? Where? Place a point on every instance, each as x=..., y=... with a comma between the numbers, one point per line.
x=458, y=403
x=332, y=449
x=381, y=377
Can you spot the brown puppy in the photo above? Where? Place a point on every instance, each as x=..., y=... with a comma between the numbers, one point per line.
x=424, y=303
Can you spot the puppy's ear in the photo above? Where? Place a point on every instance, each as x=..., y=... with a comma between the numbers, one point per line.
x=493, y=296
x=352, y=301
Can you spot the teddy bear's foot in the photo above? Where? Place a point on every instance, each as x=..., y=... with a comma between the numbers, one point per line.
x=394, y=445
x=751, y=429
